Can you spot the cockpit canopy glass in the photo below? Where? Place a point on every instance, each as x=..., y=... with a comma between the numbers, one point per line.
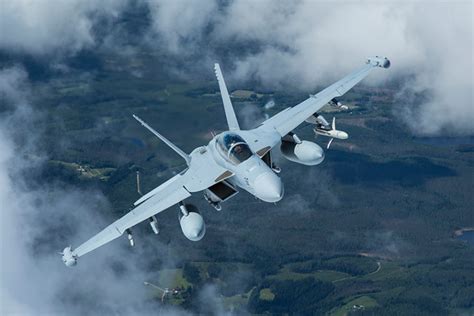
x=233, y=147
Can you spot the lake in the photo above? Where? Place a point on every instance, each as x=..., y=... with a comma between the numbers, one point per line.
x=467, y=236
x=446, y=141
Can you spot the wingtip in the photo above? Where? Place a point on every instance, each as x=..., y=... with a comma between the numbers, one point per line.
x=69, y=257
x=379, y=61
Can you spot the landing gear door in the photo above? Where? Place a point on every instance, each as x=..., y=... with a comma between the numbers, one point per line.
x=221, y=191
x=267, y=159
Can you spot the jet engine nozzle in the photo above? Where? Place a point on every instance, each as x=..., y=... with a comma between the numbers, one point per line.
x=192, y=223
x=69, y=258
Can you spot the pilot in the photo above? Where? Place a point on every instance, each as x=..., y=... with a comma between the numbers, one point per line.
x=238, y=149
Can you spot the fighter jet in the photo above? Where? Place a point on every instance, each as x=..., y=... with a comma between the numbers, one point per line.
x=232, y=160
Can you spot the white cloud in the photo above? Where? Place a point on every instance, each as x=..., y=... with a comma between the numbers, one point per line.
x=286, y=44
x=37, y=221
x=180, y=24
x=308, y=43
x=52, y=26
x=211, y=302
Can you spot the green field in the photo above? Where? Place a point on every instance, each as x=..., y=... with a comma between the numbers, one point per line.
x=361, y=303
x=173, y=278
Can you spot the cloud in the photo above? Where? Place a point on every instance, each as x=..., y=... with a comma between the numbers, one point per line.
x=52, y=27
x=283, y=45
x=444, y=39
x=38, y=219
x=269, y=105
x=250, y=114
x=180, y=24
x=210, y=301
x=386, y=243
x=310, y=194
x=301, y=45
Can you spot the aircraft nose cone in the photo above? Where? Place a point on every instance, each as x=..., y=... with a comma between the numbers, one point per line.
x=343, y=135
x=268, y=187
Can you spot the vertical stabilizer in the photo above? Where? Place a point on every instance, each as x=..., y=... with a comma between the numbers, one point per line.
x=229, y=110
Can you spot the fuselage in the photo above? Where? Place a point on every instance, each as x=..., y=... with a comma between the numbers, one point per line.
x=251, y=173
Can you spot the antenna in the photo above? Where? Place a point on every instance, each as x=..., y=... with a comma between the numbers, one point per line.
x=139, y=190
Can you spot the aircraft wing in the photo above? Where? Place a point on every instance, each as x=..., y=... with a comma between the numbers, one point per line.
x=288, y=119
x=172, y=193
x=201, y=174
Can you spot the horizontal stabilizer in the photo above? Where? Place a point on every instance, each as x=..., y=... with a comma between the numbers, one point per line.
x=165, y=140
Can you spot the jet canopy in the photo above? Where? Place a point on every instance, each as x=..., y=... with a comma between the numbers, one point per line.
x=233, y=147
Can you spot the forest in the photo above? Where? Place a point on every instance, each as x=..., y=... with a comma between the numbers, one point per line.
x=368, y=232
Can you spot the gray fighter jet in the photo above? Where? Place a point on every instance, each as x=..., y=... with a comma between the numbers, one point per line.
x=231, y=160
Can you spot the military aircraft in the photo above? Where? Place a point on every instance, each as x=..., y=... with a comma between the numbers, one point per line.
x=231, y=160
